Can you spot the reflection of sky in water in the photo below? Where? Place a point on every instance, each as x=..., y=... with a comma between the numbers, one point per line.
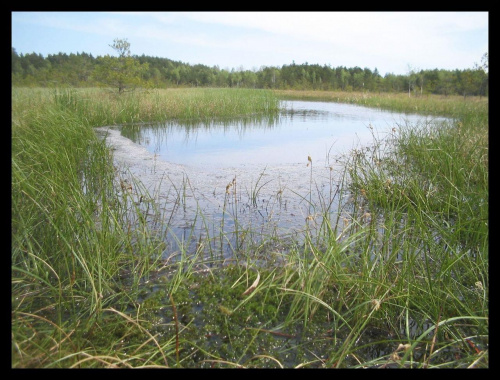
x=309, y=128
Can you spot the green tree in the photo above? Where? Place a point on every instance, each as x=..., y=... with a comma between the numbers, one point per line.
x=249, y=78
x=412, y=79
x=343, y=78
x=123, y=72
x=432, y=80
x=420, y=80
x=482, y=75
x=16, y=68
x=222, y=79
x=446, y=81
x=175, y=75
x=358, y=80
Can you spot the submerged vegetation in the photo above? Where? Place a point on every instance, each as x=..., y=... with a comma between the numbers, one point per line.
x=396, y=275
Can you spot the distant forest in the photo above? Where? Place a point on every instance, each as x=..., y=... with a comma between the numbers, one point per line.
x=81, y=70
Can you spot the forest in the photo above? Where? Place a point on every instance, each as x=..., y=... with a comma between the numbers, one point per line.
x=85, y=70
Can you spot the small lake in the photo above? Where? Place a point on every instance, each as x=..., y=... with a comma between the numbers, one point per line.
x=315, y=129
x=235, y=182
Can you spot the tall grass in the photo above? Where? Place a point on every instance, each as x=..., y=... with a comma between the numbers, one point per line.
x=72, y=240
x=396, y=275
x=399, y=102
x=427, y=201
x=99, y=107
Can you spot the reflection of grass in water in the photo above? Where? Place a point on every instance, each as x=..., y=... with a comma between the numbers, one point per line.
x=406, y=285
x=191, y=128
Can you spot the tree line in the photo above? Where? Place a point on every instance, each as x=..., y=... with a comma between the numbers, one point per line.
x=85, y=70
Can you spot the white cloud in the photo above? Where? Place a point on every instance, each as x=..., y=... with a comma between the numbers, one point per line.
x=386, y=40
x=396, y=36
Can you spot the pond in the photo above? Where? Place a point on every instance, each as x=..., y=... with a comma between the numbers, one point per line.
x=315, y=129
x=237, y=182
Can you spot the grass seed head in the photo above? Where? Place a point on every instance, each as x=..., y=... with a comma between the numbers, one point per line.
x=395, y=357
x=403, y=347
x=479, y=286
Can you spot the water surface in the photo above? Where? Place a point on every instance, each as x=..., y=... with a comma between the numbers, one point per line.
x=315, y=129
x=236, y=182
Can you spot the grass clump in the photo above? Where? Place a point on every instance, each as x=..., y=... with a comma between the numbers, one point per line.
x=428, y=197
x=74, y=253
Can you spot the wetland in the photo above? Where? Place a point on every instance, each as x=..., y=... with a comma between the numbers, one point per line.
x=250, y=173
x=141, y=238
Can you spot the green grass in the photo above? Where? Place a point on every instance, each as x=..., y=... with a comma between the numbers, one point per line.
x=396, y=276
x=399, y=102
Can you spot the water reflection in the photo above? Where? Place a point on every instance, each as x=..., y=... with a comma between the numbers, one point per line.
x=304, y=129
x=229, y=184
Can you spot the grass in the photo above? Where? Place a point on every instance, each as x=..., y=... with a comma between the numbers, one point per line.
x=399, y=102
x=395, y=275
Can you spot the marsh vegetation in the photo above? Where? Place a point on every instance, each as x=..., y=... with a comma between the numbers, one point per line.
x=389, y=269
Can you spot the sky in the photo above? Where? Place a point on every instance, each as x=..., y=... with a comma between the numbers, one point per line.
x=391, y=42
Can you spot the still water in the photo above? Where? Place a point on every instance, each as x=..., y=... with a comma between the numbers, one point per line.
x=316, y=129
x=236, y=182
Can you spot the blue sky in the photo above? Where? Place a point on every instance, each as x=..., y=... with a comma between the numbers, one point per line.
x=392, y=42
